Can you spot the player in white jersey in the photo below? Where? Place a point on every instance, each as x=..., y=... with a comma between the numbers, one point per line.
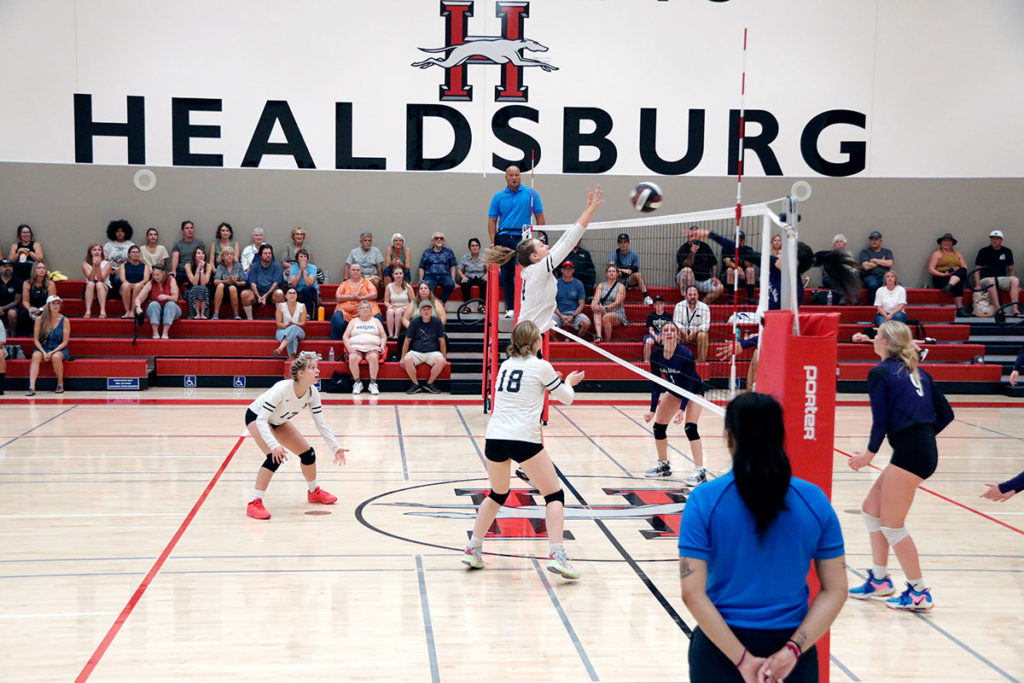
x=513, y=433
x=268, y=420
x=537, y=298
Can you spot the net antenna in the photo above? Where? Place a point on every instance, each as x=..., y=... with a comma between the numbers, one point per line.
x=733, y=384
x=800, y=191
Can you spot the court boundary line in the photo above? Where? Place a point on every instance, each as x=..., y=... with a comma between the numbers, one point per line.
x=41, y=424
x=573, y=636
x=401, y=446
x=428, y=624
x=115, y=628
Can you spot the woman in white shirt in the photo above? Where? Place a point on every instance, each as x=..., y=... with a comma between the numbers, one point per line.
x=365, y=338
x=890, y=301
x=97, y=279
x=513, y=433
x=397, y=295
x=268, y=420
x=153, y=252
x=291, y=319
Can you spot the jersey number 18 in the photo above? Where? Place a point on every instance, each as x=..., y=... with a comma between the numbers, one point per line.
x=514, y=379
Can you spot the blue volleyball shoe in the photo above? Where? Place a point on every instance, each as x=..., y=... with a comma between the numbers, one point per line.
x=911, y=600
x=873, y=588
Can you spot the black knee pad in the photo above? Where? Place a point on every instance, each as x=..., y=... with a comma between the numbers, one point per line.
x=309, y=457
x=557, y=496
x=660, y=431
x=270, y=464
x=691, y=431
x=498, y=498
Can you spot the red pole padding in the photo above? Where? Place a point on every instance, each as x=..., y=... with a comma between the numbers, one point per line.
x=491, y=316
x=800, y=372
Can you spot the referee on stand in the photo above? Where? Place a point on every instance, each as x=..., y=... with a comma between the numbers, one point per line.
x=510, y=210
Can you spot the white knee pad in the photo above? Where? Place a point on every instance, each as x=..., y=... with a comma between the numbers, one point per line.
x=873, y=523
x=894, y=535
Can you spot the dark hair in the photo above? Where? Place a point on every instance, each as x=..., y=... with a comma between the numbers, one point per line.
x=149, y=230
x=231, y=231
x=31, y=232
x=196, y=251
x=266, y=245
x=290, y=288
x=119, y=224
x=471, y=241
x=187, y=222
x=301, y=252
x=759, y=462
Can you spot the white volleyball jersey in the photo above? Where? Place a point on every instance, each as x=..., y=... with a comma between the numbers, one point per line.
x=519, y=398
x=278, y=404
x=540, y=288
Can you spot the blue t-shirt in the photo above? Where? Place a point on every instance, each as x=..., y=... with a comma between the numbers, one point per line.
x=569, y=294
x=438, y=263
x=759, y=584
x=310, y=270
x=262, y=277
x=512, y=209
x=628, y=260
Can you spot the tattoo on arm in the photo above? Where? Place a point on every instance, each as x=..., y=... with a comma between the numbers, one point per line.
x=799, y=638
x=684, y=568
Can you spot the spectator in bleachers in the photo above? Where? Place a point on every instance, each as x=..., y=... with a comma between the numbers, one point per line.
x=693, y=318
x=182, y=252
x=437, y=266
x=949, y=270
x=160, y=295
x=569, y=301
x=10, y=297
x=264, y=282
x=397, y=295
x=302, y=276
x=995, y=263
x=153, y=252
x=51, y=336
x=134, y=273
x=472, y=270
x=890, y=301
x=396, y=255
x=655, y=321
x=350, y=292
x=119, y=241
x=840, y=295
x=225, y=240
x=291, y=321
x=25, y=252
x=423, y=292
x=369, y=258
x=628, y=263
x=425, y=342
x=229, y=276
x=365, y=338
x=743, y=272
x=97, y=279
x=199, y=273
x=585, y=270
x=875, y=262
x=34, y=293
x=252, y=250
x=298, y=241
x=607, y=305
x=3, y=355
x=698, y=266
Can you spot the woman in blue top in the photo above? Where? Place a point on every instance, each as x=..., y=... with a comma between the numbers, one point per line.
x=746, y=542
x=906, y=406
x=50, y=337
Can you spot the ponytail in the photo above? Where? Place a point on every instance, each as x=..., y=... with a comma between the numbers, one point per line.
x=759, y=463
x=499, y=256
x=899, y=343
x=524, y=335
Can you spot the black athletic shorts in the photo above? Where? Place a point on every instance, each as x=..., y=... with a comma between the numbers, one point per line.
x=503, y=450
x=914, y=450
x=250, y=417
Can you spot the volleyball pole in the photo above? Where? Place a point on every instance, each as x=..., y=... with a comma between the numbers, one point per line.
x=736, y=237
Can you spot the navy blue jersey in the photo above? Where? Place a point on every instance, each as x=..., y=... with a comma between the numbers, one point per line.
x=899, y=401
x=680, y=370
x=1015, y=484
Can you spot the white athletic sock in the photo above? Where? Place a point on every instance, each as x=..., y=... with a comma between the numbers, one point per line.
x=879, y=571
x=476, y=542
x=257, y=494
x=918, y=584
x=311, y=485
x=554, y=547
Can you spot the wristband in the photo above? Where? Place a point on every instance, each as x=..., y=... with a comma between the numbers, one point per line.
x=794, y=648
x=742, y=657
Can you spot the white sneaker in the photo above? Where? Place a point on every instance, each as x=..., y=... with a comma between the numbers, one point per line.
x=509, y=314
x=649, y=301
x=698, y=477
x=357, y=388
x=373, y=388
x=660, y=469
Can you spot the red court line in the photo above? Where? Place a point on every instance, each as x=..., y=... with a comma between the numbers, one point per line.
x=123, y=616
x=950, y=500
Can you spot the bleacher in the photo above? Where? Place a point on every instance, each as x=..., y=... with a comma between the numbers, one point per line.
x=227, y=352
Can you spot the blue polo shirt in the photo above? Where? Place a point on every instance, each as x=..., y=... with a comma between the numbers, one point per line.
x=569, y=295
x=759, y=584
x=512, y=209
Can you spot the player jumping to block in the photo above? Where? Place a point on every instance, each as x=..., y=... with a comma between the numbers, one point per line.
x=268, y=420
x=513, y=433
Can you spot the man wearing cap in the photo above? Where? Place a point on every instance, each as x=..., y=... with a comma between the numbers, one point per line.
x=437, y=266
x=745, y=274
x=10, y=296
x=628, y=263
x=569, y=301
x=655, y=321
x=512, y=209
x=875, y=262
x=996, y=268
x=425, y=342
x=697, y=266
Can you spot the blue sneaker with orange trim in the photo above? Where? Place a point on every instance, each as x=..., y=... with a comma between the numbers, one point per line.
x=911, y=600
x=873, y=588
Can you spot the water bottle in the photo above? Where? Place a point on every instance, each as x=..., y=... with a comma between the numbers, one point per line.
x=828, y=297
x=330, y=355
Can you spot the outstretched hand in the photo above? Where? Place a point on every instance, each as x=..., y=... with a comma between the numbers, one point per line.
x=595, y=198
x=339, y=456
x=575, y=378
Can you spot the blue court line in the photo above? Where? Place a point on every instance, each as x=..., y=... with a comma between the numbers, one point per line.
x=989, y=429
x=401, y=445
x=8, y=443
x=472, y=439
x=565, y=622
x=597, y=445
x=428, y=626
x=967, y=648
x=842, y=667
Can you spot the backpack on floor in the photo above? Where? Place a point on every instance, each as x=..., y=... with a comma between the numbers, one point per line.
x=983, y=307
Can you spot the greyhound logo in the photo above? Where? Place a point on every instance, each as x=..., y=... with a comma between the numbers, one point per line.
x=463, y=50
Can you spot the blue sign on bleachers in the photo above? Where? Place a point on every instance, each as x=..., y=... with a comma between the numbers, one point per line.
x=122, y=384
x=239, y=382
x=190, y=381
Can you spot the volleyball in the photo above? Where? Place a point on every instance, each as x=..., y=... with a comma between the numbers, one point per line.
x=645, y=197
